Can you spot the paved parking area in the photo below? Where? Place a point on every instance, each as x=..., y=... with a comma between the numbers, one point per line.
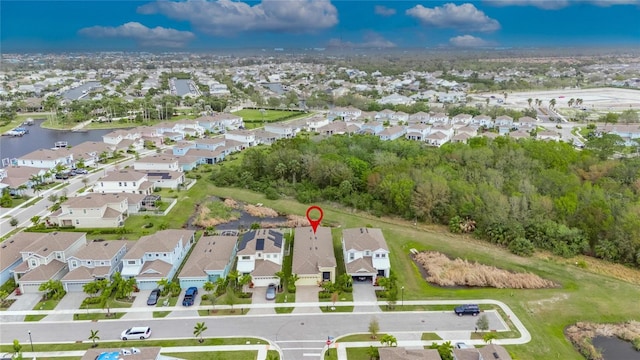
x=307, y=294
x=71, y=301
x=23, y=302
x=140, y=302
x=364, y=292
x=187, y=313
x=259, y=297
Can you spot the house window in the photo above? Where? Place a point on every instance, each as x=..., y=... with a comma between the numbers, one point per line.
x=383, y=255
x=351, y=256
x=125, y=184
x=74, y=263
x=77, y=222
x=245, y=257
x=70, y=212
x=88, y=262
x=377, y=255
x=259, y=255
x=165, y=254
x=157, y=255
x=367, y=253
x=34, y=263
x=134, y=183
x=84, y=211
x=131, y=262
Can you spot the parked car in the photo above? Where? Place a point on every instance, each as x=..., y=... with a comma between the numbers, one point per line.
x=81, y=171
x=271, y=292
x=62, y=176
x=153, y=297
x=467, y=309
x=461, y=345
x=190, y=296
x=141, y=332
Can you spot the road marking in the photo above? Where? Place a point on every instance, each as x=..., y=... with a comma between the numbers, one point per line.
x=314, y=355
x=300, y=341
x=304, y=348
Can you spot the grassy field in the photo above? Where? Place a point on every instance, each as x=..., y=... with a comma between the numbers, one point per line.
x=217, y=355
x=599, y=292
x=254, y=115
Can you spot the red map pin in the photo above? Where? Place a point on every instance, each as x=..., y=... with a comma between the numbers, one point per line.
x=314, y=223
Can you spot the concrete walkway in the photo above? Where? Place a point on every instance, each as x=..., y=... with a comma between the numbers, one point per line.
x=71, y=300
x=364, y=293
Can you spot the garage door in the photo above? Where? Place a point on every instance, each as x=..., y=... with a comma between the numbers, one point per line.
x=30, y=288
x=147, y=285
x=74, y=286
x=185, y=284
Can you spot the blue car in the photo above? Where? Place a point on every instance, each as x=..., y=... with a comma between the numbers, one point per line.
x=190, y=296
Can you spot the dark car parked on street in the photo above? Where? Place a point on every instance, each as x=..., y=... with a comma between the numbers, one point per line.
x=153, y=297
x=190, y=296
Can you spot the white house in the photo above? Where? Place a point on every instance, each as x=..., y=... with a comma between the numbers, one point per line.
x=92, y=211
x=246, y=137
x=366, y=254
x=392, y=133
x=127, y=181
x=96, y=260
x=157, y=162
x=316, y=122
x=158, y=256
x=260, y=254
x=46, y=158
x=418, y=131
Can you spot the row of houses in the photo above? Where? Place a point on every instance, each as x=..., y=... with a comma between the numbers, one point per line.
x=35, y=258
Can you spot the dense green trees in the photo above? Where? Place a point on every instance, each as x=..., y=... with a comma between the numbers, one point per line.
x=518, y=194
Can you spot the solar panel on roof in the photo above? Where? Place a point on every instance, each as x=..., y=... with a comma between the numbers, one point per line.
x=259, y=244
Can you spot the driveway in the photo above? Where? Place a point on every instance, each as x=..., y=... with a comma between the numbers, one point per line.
x=259, y=297
x=307, y=294
x=71, y=301
x=140, y=302
x=192, y=312
x=364, y=292
x=23, y=302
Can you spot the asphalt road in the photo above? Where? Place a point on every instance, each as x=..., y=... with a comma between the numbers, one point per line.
x=296, y=335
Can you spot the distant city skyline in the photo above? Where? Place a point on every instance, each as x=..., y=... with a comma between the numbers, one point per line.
x=94, y=25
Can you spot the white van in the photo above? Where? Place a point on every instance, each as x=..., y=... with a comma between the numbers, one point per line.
x=141, y=333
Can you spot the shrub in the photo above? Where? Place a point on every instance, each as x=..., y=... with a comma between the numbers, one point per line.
x=636, y=343
x=271, y=194
x=521, y=246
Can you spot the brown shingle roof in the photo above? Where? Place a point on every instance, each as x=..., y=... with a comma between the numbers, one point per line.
x=209, y=253
x=311, y=251
x=44, y=244
x=162, y=241
x=364, y=239
x=400, y=353
x=101, y=250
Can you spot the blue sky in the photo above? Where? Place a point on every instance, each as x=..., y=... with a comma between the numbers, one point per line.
x=27, y=25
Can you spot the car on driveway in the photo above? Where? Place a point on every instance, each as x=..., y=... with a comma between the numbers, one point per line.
x=190, y=296
x=140, y=332
x=153, y=297
x=467, y=309
x=271, y=292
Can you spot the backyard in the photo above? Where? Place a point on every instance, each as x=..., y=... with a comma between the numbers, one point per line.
x=254, y=118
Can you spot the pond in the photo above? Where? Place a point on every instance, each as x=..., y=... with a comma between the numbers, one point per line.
x=243, y=221
x=613, y=348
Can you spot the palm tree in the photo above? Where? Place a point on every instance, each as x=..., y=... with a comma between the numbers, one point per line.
x=210, y=288
x=163, y=284
x=389, y=340
x=489, y=337
x=198, y=330
x=552, y=103
x=94, y=336
x=571, y=102
x=244, y=280
x=529, y=100
x=233, y=277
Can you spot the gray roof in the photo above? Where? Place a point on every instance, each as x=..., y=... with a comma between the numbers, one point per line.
x=162, y=241
x=364, y=239
x=270, y=240
x=211, y=253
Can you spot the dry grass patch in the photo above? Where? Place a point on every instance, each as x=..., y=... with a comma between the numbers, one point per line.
x=581, y=335
x=443, y=271
x=212, y=213
x=260, y=211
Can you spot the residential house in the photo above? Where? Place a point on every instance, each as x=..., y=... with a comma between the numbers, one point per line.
x=10, y=252
x=365, y=252
x=316, y=122
x=47, y=158
x=115, y=137
x=156, y=257
x=90, y=152
x=338, y=127
x=482, y=120
x=469, y=130
x=15, y=178
x=45, y=258
x=464, y=119
x=439, y=119
x=519, y=134
x=265, y=137
x=246, y=137
x=260, y=254
x=282, y=130
x=157, y=163
x=210, y=143
x=526, y=123
x=92, y=211
x=372, y=128
x=460, y=138
x=219, y=122
x=419, y=117
x=182, y=147
x=204, y=157
x=504, y=121
x=396, y=99
x=392, y=133
x=418, y=131
x=124, y=181
x=313, y=258
x=437, y=138
x=143, y=353
x=211, y=258
x=97, y=259
x=166, y=179
x=345, y=114
x=548, y=135
x=384, y=115
x=630, y=133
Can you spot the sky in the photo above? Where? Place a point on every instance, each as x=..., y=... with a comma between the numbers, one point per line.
x=189, y=25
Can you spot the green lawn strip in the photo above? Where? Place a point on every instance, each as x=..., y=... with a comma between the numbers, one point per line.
x=429, y=336
x=331, y=307
x=280, y=299
x=332, y=354
x=98, y=316
x=86, y=344
x=111, y=303
x=17, y=122
x=400, y=307
x=216, y=355
x=173, y=300
x=358, y=353
x=34, y=317
x=254, y=115
x=118, y=124
x=363, y=337
x=273, y=355
x=223, y=312
x=160, y=314
x=583, y=295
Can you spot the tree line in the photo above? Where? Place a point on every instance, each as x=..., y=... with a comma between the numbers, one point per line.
x=521, y=194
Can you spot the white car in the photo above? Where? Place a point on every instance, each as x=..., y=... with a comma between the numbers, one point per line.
x=461, y=345
x=142, y=332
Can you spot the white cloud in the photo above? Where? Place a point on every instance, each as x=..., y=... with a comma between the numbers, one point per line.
x=144, y=36
x=226, y=17
x=370, y=40
x=464, y=17
x=559, y=4
x=384, y=11
x=469, y=41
